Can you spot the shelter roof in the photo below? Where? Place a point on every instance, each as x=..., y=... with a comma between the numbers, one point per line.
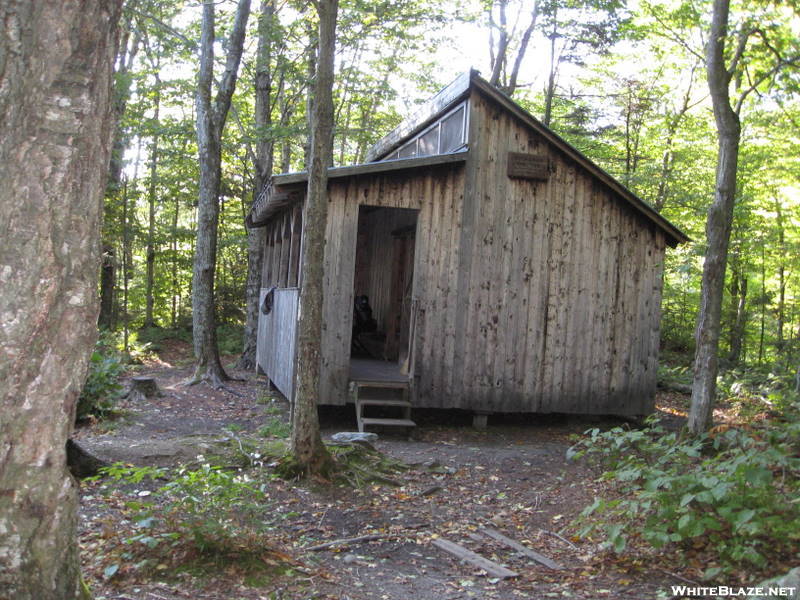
x=284, y=189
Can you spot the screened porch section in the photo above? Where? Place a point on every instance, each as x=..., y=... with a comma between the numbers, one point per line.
x=278, y=300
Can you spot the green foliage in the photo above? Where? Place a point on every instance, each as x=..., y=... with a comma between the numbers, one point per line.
x=101, y=389
x=734, y=492
x=202, y=515
x=275, y=428
x=229, y=338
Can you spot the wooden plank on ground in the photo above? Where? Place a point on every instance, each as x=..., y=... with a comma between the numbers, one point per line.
x=491, y=567
x=540, y=558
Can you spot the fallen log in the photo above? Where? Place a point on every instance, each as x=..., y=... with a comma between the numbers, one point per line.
x=468, y=556
x=81, y=462
x=540, y=558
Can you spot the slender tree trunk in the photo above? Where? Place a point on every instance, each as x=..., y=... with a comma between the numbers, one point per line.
x=128, y=49
x=263, y=169
x=108, y=269
x=210, y=121
x=668, y=157
x=780, y=343
x=55, y=94
x=126, y=265
x=738, y=315
x=550, y=91
x=307, y=446
x=718, y=225
x=763, y=325
x=151, y=213
x=174, y=273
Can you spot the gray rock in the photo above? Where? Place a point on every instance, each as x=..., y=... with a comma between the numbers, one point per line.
x=350, y=437
x=789, y=582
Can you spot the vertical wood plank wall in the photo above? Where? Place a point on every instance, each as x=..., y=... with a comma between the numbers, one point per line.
x=563, y=288
x=530, y=296
x=438, y=195
x=277, y=336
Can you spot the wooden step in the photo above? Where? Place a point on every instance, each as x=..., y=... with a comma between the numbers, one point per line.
x=395, y=385
x=383, y=402
x=389, y=422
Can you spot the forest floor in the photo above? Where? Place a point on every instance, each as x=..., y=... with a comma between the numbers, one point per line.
x=513, y=477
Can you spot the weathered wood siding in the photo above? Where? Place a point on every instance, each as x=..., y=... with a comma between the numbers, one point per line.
x=438, y=195
x=563, y=287
x=528, y=296
x=282, y=249
x=277, y=334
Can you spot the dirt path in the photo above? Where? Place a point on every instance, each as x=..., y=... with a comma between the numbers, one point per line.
x=513, y=477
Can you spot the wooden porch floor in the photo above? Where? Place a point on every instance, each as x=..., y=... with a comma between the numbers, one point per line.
x=371, y=370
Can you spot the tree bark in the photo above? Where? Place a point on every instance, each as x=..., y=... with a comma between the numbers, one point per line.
x=738, y=290
x=210, y=122
x=780, y=343
x=263, y=169
x=55, y=91
x=128, y=49
x=718, y=224
x=108, y=269
x=151, y=211
x=307, y=447
x=550, y=90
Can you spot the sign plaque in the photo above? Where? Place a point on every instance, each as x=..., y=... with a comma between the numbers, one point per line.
x=528, y=166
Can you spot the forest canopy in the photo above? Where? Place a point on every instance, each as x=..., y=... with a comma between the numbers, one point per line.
x=624, y=83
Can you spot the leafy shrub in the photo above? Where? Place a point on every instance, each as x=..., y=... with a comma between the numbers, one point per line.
x=101, y=388
x=229, y=338
x=203, y=514
x=735, y=492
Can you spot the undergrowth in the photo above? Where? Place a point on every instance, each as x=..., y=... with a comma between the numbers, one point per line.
x=102, y=389
x=731, y=494
x=209, y=517
x=203, y=519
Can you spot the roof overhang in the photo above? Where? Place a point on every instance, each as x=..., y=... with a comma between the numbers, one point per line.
x=284, y=190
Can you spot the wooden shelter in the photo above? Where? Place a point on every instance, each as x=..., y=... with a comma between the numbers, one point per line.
x=506, y=271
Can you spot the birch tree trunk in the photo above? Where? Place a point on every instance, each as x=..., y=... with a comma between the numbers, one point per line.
x=211, y=116
x=307, y=447
x=55, y=92
x=718, y=224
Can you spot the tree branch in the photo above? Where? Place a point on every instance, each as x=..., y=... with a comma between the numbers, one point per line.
x=235, y=47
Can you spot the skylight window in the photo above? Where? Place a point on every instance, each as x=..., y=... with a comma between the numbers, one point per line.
x=448, y=134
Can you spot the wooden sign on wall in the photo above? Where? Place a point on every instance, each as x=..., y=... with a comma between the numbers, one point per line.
x=528, y=166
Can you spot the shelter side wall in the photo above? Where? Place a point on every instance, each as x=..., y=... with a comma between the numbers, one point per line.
x=437, y=194
x=561, y=291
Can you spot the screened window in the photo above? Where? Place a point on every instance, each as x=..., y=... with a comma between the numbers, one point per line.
x=452, y=127
x=448, y=134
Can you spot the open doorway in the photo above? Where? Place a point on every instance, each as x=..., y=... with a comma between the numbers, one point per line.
x=383, y=283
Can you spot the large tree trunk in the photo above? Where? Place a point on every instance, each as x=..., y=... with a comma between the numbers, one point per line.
x=55, y=86
x=263, y=169
x=307, y=447
x=718, y=225
x=210, y=122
